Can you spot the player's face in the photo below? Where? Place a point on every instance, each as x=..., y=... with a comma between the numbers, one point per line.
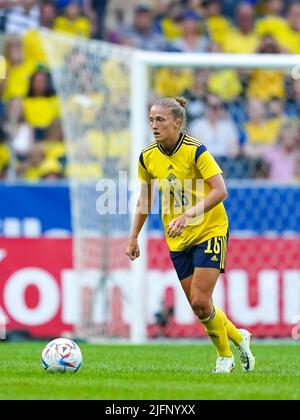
x=163, y=124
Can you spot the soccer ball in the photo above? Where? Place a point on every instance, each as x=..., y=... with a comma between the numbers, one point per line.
x=61, y=355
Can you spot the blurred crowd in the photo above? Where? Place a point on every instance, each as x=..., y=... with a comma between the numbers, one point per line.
x=248, y=119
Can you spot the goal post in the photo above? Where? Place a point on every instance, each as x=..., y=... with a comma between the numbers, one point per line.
x=104, y=95
x=138, y=125
x=218, y=60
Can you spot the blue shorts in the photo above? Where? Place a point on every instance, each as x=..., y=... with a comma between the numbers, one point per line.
x=209, y=254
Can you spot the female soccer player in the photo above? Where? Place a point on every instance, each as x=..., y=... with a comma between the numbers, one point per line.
x=195, y=222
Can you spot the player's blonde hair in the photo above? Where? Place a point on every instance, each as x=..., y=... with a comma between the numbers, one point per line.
x=177, y=107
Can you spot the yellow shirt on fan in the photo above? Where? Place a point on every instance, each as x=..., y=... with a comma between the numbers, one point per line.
x=18, y=80
x=79, y=27
x=218, y=27
x=237, y=43
x=181, y=180
x=40, y=112
x=33, y=47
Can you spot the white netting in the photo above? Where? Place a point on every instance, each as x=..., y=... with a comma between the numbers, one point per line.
x=92, y=80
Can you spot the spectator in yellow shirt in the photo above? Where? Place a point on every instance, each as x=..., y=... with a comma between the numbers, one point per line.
x=54, y=145
x=285, y=31
x=73, y=22
x=41, y=106
x=218, y=26
x=242, y=39
x=33, y=46
x=266, y=84
x=172, y=81
x=290, y=39
x=167, y=15
x=261, y=131
x=29, y=169
x=50, y=169
x=19, y=71
x=273, y=23
x=226, y=84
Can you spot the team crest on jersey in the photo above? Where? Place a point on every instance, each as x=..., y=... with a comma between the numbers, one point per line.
x=172, y=180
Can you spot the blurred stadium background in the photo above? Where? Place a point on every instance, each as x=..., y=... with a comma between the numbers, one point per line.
x=65, y=124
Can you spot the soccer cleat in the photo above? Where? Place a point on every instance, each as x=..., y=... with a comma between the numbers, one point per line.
x=224, y=365
x=246, y=357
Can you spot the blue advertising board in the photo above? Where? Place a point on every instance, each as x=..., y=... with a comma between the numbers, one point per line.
x=44, y=209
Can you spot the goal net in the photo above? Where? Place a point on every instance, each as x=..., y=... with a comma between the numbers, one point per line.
x=93, y=83
x=105, y=92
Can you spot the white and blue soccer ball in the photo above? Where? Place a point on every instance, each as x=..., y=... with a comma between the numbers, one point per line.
x=61, y=355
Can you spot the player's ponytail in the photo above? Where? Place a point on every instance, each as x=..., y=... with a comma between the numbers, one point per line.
x=176, y=106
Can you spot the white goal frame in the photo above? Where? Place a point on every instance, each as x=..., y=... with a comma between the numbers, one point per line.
x=138, y=63
x=141, y=61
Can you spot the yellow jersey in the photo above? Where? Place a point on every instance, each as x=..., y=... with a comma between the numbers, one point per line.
x=181, y=178
x=41, y=112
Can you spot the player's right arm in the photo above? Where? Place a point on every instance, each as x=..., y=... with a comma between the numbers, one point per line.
x=143, y=209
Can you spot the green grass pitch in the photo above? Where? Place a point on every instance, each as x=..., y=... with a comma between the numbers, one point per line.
x=153, y=372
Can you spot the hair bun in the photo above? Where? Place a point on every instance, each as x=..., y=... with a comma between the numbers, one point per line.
x=182, y=101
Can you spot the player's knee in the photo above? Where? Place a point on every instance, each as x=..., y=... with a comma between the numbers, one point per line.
x=201, y=306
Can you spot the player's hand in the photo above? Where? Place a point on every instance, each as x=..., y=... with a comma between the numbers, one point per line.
x=177, y=226
x=133, y=249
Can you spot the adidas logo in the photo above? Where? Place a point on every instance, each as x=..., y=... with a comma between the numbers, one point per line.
x=214, y=258
x=170, y=167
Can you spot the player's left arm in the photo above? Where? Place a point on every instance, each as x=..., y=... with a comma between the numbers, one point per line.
x=218, y=193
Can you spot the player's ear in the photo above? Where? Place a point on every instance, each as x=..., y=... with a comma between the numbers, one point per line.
x=178, y=123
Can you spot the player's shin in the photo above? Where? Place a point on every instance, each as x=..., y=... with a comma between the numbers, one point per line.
x=233, y=333
x=215, y=329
